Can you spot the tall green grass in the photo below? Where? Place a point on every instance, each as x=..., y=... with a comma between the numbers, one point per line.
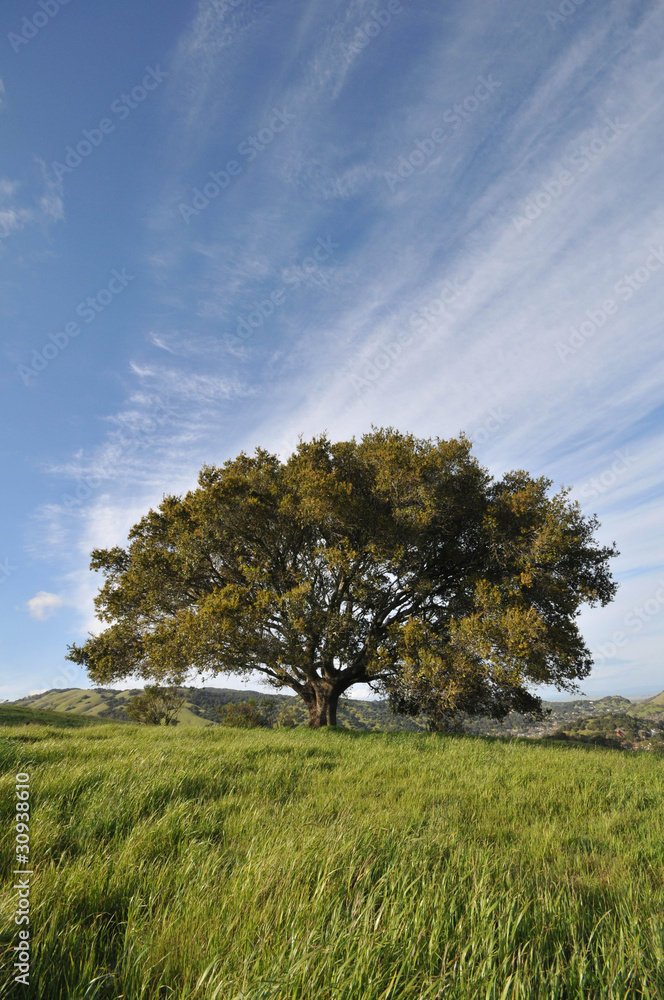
x=283, y=865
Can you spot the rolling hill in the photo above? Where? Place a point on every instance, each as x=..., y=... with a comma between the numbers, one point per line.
x=617, y=729
x=19, y=715
x=203, y=704
x=651, y=707
x=99, y=703
x=202, y=707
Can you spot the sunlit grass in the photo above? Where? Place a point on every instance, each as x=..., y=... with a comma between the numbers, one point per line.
x=331, y=865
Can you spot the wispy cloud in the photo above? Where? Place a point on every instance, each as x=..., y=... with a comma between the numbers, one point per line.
x=206, y=58
x=12, y=216
x=16, y=212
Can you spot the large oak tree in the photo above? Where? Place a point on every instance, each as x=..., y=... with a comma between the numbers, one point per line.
x=392, y=561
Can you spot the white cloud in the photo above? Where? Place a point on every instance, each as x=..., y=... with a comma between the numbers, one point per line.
x=44, y=605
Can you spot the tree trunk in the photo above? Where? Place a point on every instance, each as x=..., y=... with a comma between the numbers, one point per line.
x=322, y=704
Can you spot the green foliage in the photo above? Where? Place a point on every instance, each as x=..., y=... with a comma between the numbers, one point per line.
x=156, y=705
x=219, y=864
x=244, y=715
x=392, y=561
x=287, y=718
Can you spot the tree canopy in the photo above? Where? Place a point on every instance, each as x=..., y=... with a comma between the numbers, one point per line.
x=393, y=561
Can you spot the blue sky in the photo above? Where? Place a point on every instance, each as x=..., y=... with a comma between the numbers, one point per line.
x=223, y=224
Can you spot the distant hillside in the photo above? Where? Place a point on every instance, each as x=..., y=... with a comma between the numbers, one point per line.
x=203, y=704
x=618, y=729
x=202, y=707
x=17, y=715
x=652, y=707
x=99, y=703
x=562, y=713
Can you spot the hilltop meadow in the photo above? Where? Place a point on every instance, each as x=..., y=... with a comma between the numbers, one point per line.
x=226, y=864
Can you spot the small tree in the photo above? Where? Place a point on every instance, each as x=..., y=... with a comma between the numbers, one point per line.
x=156, y=705
x=394, y=561
x=243, y=715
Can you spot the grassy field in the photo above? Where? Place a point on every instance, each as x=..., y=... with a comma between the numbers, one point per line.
x=331, y=865
x=15, y=715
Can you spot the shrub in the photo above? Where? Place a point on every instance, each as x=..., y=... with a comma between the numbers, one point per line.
x=243, y=715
